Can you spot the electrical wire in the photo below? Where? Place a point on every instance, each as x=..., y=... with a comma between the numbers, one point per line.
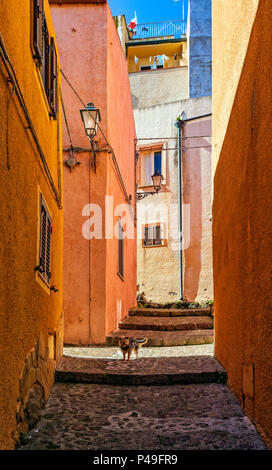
x=174, y=138
x=110, y=149
x=12, y=78
x=7, y=131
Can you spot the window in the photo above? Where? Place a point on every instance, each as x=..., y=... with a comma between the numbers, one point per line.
x=120, y=250
x=54, y=79
x=45, y=53
x=45, y=242
x=45, y=63
x=157, y=162
x=151, y=161
x=38, y=29
x=145, y=67
x=153, y=235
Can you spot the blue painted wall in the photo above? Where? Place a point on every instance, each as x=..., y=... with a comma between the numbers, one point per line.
x=200, y=48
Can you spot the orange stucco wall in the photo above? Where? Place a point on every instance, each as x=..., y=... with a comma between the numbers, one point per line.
x=92, y=59
x=242, y=209
x=30, y=314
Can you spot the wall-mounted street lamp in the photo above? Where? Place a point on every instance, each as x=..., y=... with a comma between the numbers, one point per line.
x=157, y=182
x=90, y=117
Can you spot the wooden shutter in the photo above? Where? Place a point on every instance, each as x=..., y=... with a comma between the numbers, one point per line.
x=45, y=70
x=48, y=249
x=148, y=236
x=53, y=79
x=153, y=235
x=45, y=242
x=157, y=235
x=38, y=14
x=120, y=250
x=147, y=169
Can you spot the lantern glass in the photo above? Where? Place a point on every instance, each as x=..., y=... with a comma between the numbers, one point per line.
x=157, y=180
x=90, y=117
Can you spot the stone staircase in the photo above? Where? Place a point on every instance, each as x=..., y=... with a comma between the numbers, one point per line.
x=143, y=371
x=166, y=327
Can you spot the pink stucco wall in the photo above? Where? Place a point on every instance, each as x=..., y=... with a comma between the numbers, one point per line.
x=197, y=191
x=95, y=297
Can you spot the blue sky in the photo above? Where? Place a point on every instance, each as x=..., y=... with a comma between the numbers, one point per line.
x=149, y=11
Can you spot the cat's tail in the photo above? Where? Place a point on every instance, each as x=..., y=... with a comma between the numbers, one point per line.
x=141, y=340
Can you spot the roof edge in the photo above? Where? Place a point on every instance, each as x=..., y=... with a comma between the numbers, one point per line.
x=63, y=2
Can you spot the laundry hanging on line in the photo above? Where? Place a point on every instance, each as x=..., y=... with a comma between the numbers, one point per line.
x=158, y=60
x=133, y=23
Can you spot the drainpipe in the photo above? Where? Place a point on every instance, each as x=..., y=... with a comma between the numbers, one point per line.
x=180, y=125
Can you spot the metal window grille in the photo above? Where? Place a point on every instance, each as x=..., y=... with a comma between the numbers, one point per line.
x=167, y=29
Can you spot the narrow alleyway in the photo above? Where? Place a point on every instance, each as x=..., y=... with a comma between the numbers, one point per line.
x=91, y=416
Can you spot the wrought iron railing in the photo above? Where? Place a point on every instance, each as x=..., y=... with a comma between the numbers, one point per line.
x=173, y=29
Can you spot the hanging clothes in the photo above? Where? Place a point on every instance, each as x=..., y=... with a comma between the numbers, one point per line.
x=160, y=60
x=165, y=59
x=133, y=22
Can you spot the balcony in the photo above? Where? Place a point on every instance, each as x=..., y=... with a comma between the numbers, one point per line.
x=164, y=30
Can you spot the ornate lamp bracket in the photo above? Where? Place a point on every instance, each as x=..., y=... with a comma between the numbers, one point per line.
x=71, y=162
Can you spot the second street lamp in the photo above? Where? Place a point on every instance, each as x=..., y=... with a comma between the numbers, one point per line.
x=157, y=182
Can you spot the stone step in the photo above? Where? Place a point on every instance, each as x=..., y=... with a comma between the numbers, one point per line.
x=167, y=323
x=145, y=371
x=169, y=312
x=164, y=338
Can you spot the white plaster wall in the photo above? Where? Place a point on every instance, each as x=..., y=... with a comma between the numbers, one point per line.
x=158, y=271
x=160, y=86
x=158, y=267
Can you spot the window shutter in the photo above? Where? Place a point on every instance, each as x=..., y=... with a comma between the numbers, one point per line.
x=43, y=239
x=153, y=235
x=38, y=29
x=47, y=62
x=45, y=70
x=48, y=248
x=45, y=242
x=147, y=169
x=157, y=235
x=148, y=236
x=53, y=79
x=120, y=250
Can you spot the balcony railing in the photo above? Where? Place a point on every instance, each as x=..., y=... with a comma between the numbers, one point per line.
x=169, y=29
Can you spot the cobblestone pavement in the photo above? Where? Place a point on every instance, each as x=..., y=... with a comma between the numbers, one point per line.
x=115, y=353
x=105, y=417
